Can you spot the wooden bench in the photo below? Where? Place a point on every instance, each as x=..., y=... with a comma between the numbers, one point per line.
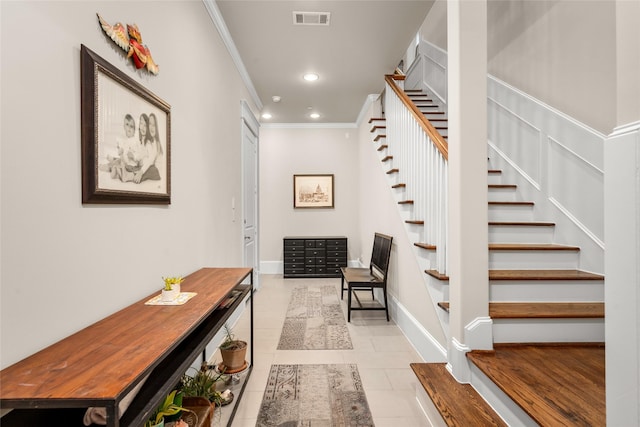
x=368, y=279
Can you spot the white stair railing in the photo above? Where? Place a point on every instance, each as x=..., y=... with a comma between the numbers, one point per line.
x=420, y=154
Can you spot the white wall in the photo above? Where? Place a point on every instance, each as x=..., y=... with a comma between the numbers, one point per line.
x=65, y=265
x=560, y=52
x=285, y=151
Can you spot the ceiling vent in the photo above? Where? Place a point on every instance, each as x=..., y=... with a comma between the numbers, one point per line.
x=311, y=18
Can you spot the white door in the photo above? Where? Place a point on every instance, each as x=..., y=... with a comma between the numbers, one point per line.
x=250, y=193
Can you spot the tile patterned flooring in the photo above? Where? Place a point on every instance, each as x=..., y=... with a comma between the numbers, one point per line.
x=381, y=352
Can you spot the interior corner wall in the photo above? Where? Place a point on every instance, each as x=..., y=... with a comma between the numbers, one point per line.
x=560, y=52
x=65, y=265
x=287, y=151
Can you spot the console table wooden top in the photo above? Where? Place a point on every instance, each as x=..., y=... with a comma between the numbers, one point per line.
x=103, y=362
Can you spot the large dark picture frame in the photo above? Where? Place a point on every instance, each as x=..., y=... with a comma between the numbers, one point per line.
x=313, y=191
x=126, y=137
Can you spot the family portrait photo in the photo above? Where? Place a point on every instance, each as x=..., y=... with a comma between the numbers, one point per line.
x=126, y=139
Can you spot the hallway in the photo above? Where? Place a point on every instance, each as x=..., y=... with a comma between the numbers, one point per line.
x=381, y=352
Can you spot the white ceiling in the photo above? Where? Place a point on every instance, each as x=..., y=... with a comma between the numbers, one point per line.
x=364, y=41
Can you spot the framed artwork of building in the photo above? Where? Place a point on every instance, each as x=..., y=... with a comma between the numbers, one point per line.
x=313, y=191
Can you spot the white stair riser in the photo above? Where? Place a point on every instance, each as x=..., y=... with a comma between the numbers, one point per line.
x=528, y=260
x=510, y=213
x=501, y=194
x=548, y=330
x=511, y=412
x=546, y=291
x=494, y=178
x=520, y=234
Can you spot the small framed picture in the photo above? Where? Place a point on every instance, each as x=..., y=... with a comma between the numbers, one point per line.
x=126, y=137
x=313, y=191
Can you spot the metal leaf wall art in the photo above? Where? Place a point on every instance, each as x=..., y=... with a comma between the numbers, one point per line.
x=130, y=40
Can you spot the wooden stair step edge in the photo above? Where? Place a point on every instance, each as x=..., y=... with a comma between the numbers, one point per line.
x=414, y=222
x=458, y=404
x=556, y=384
x=523, y=223
x=376, y=127
x=379, y=137
x=387, y=158
x=382, y=147
x=405, y=202
x=394, y=170
x=531, y=247
x=399, y=185
x=542, y=310
x=376, y=119
x=426, y=246
x=533, y=275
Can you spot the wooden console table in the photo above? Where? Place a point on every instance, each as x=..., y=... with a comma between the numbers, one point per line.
x=99, y=365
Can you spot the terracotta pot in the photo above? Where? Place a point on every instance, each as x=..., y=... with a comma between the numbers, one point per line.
x=234, y=358
x=202, y=408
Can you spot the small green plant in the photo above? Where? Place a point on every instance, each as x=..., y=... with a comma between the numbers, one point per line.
x=229, y=342
x=167, y=408
x=202, y=384
x=170, y=281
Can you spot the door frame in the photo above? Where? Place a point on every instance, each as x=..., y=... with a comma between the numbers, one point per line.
x=249, y=121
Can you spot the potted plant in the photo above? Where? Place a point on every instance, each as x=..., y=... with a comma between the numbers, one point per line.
x=233, y=352
x=202, y=384
x=168, y=407
x=171, y=288
x=201, y=394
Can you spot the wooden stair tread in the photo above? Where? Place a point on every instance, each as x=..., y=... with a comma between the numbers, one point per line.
x=387, y=158
x=542, y=310
x=531, y=247
x=394, y=170
x=414, y=222
x=379, y=137
x=376, y=127
x=375, y=119
x=523, y=223
x=530, y=275
x=437, y=275
x=458, y=404
x=382, y=147
x=556, y=384
x=426, y=246
x=405, y=202
x=494, y=171
x=503, y=186
x=400, y=185
x=543, y=275
x=506, y=203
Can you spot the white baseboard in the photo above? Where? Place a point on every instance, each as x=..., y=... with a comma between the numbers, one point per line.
x=427, y=347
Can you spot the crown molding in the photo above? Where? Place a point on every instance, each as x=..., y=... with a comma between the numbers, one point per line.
x=218, y=22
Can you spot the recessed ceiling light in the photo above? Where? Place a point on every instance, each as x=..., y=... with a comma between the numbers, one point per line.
x=266, y=116
x=314, y=115
x=275, y=98
x=311, y=77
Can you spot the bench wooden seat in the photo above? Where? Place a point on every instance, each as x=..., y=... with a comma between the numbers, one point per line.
x=368, y=279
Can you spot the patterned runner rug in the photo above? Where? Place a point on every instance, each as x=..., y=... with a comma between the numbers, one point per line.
x=314, y=395
x=315, y=321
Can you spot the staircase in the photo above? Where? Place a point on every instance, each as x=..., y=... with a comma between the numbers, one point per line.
x=547, y=366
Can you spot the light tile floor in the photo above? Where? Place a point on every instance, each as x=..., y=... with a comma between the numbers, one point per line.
x=381, y=352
